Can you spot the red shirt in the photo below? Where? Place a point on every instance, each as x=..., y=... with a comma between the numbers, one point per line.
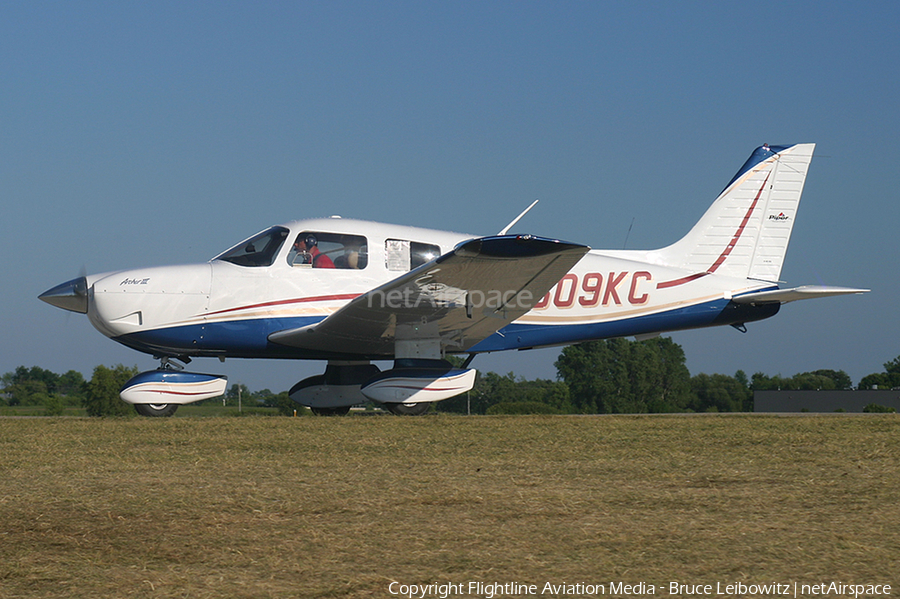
x=320, y=260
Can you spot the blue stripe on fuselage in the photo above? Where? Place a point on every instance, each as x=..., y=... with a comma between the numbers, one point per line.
x=518, y=336
x=236, y=338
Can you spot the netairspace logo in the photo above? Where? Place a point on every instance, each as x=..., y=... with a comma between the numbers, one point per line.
x=451, y=297
x=490, y=590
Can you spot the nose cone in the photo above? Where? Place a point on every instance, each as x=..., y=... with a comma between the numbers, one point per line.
x=71, y=295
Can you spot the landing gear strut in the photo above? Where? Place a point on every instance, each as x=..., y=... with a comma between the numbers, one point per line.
x=332, y=393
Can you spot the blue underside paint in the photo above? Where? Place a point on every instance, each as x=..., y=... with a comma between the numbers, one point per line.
x=249, y=338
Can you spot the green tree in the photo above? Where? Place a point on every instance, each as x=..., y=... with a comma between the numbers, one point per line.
x=553, y=393
x=490, y=388
x=620, y=376
x=286, y=406
x=878, y=380
x=812, y=381
x=29, y=386
x=892, y=366
x=71, y=387
x=101, y=397
x=28, y=393
x=763, y=382
x=889, y=379
x=840, y=378
x=720, y=393
x=878, y=409
x=237, y=392
x=264, y=397
x=591, y=373
x=35, y=373
x=818, y=379
x=53, y=405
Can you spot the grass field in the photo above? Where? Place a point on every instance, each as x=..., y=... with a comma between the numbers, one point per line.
x=341, y=507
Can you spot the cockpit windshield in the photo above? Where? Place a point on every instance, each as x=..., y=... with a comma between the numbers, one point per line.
x=260, y=250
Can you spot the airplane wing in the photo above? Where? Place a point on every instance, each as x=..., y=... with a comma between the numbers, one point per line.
x=797, y=293
x=452, y=302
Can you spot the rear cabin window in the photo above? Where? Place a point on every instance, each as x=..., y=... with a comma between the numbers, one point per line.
x=257, y=251
x=401, y=255
x=315, y=249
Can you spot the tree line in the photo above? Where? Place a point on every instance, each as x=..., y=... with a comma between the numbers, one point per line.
x=612, y=376
x=619, y=376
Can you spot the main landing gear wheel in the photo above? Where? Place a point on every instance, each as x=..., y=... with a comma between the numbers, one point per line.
x=343, y=411
x=407, y=409
x=158, y=410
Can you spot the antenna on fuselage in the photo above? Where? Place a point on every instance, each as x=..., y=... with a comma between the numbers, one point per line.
x=628, y=233
x=506, y=229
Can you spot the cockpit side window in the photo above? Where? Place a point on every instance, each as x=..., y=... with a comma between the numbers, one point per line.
x=316, y=249
x=260, y=250
x=422, y=253
x=401, y=255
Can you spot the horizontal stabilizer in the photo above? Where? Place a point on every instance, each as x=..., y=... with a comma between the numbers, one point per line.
x=784, y=296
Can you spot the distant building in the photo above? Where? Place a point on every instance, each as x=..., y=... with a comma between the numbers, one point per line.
x=824, y=401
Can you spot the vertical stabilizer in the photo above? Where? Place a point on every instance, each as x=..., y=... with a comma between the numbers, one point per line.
x=745, y=233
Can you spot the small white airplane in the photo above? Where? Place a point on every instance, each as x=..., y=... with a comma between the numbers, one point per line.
x=350, y=291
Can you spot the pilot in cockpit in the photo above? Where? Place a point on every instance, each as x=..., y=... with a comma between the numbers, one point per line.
x=307, y=252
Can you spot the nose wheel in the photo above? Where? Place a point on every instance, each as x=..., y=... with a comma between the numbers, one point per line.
x=161, y=410
x=331, y=411
x=407, y=409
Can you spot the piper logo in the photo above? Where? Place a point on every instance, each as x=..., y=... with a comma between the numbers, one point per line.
x=781, y=216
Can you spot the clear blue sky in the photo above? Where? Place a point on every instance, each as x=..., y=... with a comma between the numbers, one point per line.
x=135, y=134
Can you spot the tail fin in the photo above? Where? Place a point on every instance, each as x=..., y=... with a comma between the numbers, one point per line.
x=745, y=232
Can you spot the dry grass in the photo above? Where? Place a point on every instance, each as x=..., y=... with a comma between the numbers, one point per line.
x=313, y=507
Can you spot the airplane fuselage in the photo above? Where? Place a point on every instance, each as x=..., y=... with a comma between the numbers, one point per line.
x=223, y=309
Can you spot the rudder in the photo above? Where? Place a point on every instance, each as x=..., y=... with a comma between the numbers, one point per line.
x=745, y=233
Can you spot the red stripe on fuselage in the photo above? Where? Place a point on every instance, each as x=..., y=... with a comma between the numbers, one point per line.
x=177, y=392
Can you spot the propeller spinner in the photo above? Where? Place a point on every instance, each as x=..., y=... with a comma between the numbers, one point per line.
x=71, y=295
